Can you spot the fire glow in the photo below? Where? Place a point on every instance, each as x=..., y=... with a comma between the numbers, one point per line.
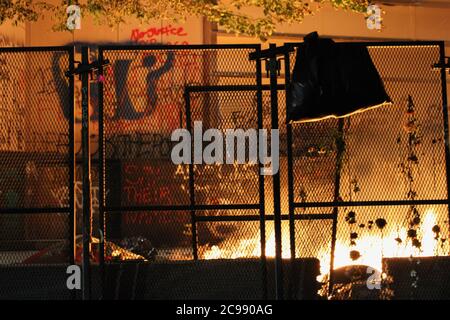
x=373, y=248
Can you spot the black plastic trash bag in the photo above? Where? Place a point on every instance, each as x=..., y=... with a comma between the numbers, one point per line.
x=333, y=80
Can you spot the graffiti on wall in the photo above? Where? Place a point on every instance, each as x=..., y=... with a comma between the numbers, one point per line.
x=133, y=145
x=153, y=183
x=154, y=35
x=144, y=102
x=60, y=196
x=142, y=89
x=145, y=88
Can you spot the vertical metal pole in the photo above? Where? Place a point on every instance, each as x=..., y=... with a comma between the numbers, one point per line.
x=101, y=170
x=446, y=130
x=262, y=209
x=73, y=220
x=276, y=178
x=187, y=99
x=86, y=279
x=290, y=173
x=72, y=166
x=340, y=146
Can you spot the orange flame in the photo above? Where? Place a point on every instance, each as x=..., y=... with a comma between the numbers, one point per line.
x=373, y=248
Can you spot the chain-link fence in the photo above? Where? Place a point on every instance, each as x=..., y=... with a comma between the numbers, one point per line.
x=343, y=200
x=380, y=181
x=363, y=197
x=196, y=221
x=36, y=172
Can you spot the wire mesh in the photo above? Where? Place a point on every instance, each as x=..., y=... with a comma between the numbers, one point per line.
x=141, y=107
x=227, y=181
x=389, y=212
x=36, y=174
x=369, y=169
x=394, y=160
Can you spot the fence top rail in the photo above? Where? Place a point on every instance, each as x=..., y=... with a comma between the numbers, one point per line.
x=381, y=43
x=371, y=203
x=288, y=47
x=36, y=49
x=178, y=47
x=217, y=46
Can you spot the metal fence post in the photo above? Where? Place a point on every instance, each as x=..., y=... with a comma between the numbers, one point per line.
x=290, y=168
x=87, y=209
x=191, y=178
x=262, y=212
x=72, y=167
x=276, y=177
x=445, y=119
x=101, y=182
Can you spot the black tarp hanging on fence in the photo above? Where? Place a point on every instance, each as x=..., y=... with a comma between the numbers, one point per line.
x=331, y=79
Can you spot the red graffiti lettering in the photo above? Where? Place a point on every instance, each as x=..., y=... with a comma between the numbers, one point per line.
x=141, y=185
x=149, y=35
